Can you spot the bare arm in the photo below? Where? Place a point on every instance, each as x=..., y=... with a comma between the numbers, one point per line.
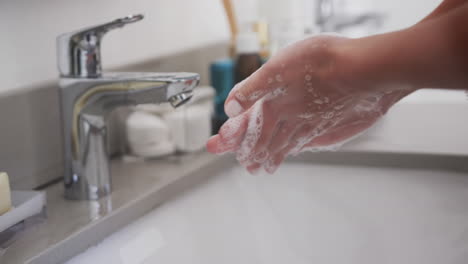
x=429, y=54
x=322, y=91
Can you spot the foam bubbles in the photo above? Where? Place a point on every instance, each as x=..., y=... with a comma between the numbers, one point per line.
x=226, y=146
x=280, y=91
x=300, y=143
x=338, y=107
x=332, y=147
x=255, y=95
x=328, y=115
x=254, y=129
x=370, y=103
x=261, y=157
x=306, y=116
x=231, y=127
x=241, y=97
x=270, y=165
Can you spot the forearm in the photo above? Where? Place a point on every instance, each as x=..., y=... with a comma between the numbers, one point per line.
x=444, y=7
x=430, y=54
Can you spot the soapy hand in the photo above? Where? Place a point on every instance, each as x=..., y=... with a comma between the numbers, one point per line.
x=304, y=99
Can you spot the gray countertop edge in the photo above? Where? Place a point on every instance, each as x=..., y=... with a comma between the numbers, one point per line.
x=66, y=242
x=96, y=231
x=139, y=187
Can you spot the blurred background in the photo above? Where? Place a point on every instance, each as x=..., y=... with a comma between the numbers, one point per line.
x=29, y=28
x=397, y=194
x=224, y=41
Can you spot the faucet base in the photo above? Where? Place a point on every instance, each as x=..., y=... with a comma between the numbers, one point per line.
x=86, y=104
x=74, y=192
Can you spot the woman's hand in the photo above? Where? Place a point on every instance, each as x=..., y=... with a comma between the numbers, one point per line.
x=308, y=97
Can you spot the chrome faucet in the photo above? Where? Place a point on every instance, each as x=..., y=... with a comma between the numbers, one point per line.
x=329, y=19
x=88, y=96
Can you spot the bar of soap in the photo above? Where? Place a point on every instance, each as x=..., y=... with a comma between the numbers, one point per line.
x=5, y=196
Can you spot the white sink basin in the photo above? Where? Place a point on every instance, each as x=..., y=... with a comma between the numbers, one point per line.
x=303, y=214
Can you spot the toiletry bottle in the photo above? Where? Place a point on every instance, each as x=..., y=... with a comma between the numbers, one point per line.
x=222, y=79
x=248, y=55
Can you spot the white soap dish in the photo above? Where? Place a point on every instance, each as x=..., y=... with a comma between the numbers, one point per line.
x=25, y=204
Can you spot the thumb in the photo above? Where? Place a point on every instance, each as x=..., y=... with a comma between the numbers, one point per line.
x=247, y=92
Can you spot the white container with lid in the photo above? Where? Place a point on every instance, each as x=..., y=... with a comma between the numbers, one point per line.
x=160, y=130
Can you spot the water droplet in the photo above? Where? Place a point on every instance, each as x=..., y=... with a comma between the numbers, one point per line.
x=328, y=115
x=318, y=101
x=240, y=97
x=255, y=95
x=306, y=115
x=279, y=78
x=308, y=77
x=338, y=107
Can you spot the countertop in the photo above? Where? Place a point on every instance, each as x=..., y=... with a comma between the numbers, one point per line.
x=73, y=226
x=305, y=213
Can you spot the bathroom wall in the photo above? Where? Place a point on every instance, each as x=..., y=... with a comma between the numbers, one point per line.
x=176, y=35
x=399, y=13
x=29, y=29
x=27, y=49
x=30, y=127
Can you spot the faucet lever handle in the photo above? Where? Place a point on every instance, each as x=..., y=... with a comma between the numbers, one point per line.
x=100, y=30
x=79, y=53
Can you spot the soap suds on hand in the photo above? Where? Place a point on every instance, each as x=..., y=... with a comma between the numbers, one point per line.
x=254, y=129
x=231, y=127
x=278, y=78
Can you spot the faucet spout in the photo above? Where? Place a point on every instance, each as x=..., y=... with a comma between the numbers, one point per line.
x=88, y=96
x=86, y=104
